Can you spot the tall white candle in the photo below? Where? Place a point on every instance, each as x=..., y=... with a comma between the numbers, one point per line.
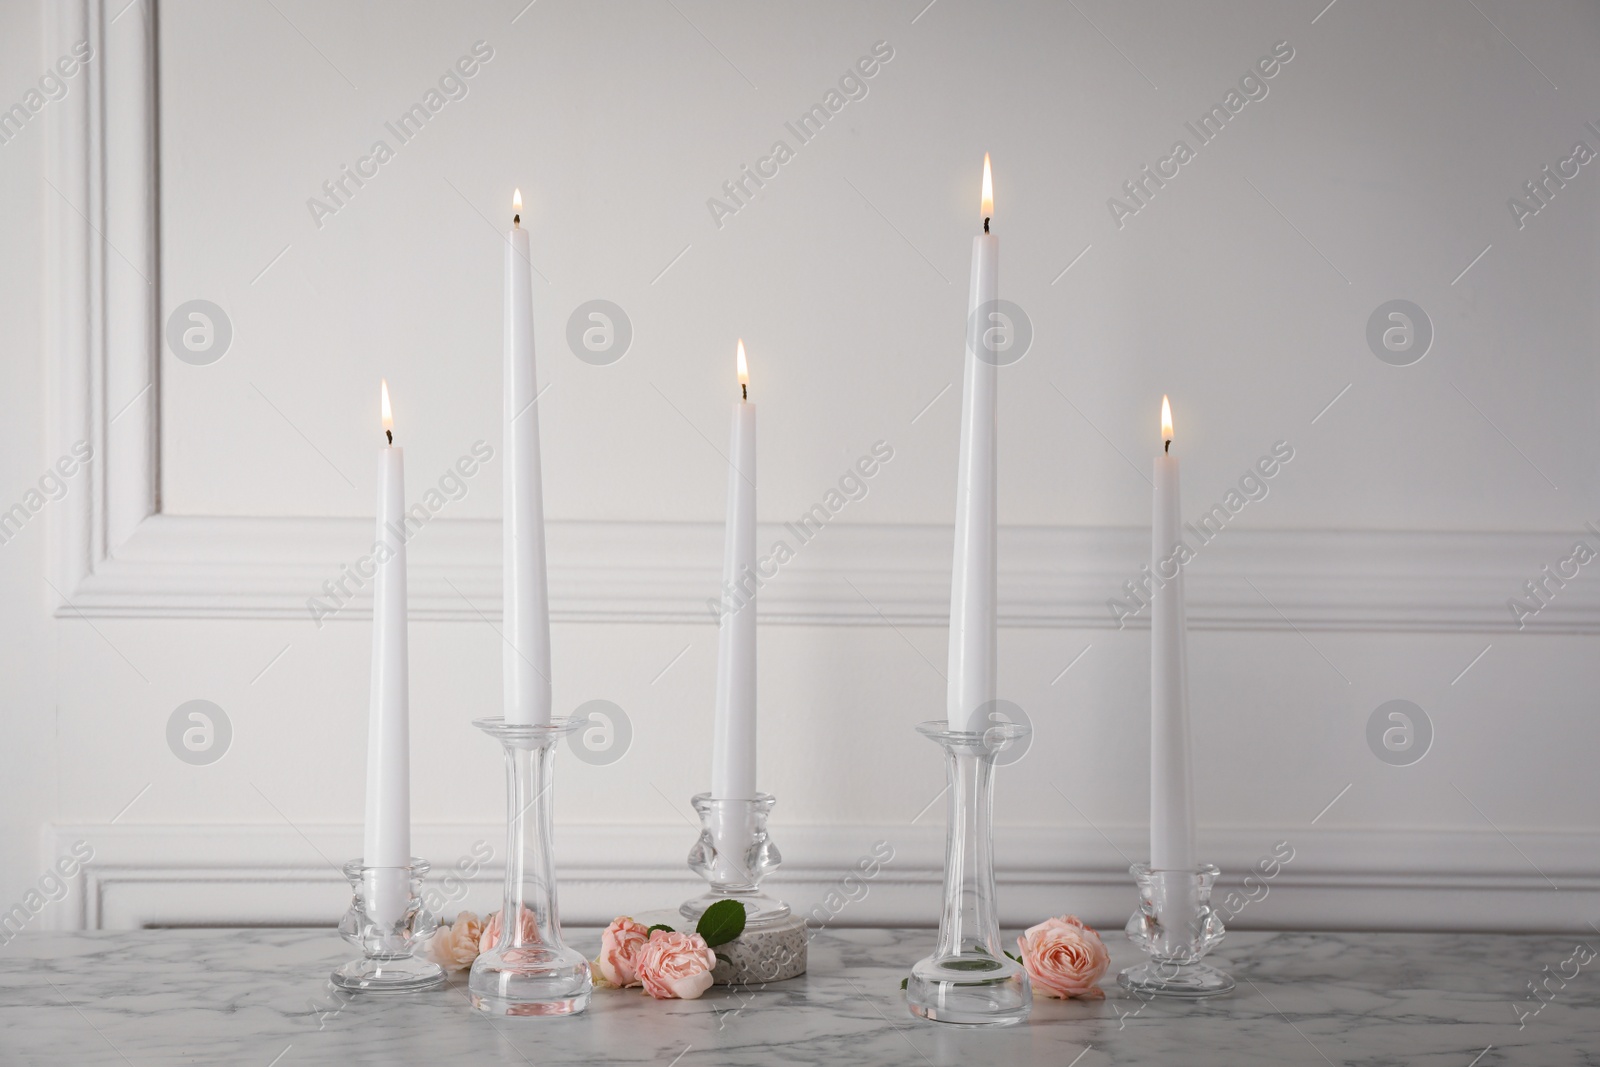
x=387, y=842
x=971, y=678
x=733, y=742
x=526, y=597
x=1171, y=786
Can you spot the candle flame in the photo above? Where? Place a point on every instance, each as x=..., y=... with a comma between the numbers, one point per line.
x=1166, y=420
x=744, y=367
x=516, y=201
x=988, y=188
x=388, y=415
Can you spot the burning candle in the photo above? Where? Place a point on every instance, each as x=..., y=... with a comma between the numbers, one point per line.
x=1171, y=787
x=971, y=677
x=526, y=595
x=733, y=744
x=387, y=842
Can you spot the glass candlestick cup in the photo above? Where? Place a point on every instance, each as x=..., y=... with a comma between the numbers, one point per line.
x=389, y=923
x=1176, y=926
x=734, y=853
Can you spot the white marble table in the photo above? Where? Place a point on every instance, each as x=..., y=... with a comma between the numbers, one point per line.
x=259, y=998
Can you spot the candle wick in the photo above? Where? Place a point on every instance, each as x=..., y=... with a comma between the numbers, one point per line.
x=390, y=435
x=744, y=391
x=516, y=220
x=986, y=224
x=1168, y=446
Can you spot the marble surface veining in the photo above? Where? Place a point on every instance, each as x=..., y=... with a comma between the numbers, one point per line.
x=260, y=998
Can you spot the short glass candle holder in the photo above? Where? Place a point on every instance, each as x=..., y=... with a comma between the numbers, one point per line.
x=1176, y=926
x=529, y=971
x=388, y=923
x=969, y=980
x=734, y=853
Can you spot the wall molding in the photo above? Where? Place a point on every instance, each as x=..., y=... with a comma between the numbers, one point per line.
x=187, y=875
x=102, y=269
x=190, y=567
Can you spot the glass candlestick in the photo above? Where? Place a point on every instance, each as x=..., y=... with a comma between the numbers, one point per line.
x=529, y=971
x=733, y=853
x=389, y=923
x=969, y=980
x=1176, y=925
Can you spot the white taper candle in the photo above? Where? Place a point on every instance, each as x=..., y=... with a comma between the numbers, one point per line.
x=733, y=744
x=1171, y=786
x=526, y=596
x=971, y=677
x=387, y=839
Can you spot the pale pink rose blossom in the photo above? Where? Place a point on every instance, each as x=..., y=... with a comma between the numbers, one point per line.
x=1064, y=958
x=617, y=964
x=675, y=965
x=454, y=947
x=492, y=925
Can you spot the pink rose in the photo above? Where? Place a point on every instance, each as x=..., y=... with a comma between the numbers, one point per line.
x=1065, y=958
x=675, y=965
x=618, y=961
x=492, y=925
x=454, y=947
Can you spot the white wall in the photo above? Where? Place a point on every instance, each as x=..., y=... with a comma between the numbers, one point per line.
x=1377, y=167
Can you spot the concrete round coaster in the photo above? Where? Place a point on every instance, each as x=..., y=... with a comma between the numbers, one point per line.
x=769, y=954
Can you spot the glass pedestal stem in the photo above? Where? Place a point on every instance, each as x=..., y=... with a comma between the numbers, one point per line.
x=969, y=980
x=528, y=970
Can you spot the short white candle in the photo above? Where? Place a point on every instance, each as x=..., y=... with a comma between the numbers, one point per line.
x=971, y=678
x=733, y=743
x=1171, y=786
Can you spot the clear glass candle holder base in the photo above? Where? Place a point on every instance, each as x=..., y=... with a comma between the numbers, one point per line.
x=1175, y=980
x=760, y=909
x=529, y=971
x=969, y=980
x=530, y=981
x=734, y=853
x=378, y=975
x=970, y=990
x=388, y=923
x=1177, y=927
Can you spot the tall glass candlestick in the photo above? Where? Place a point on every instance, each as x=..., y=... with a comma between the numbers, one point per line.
x=528, y=971
x=969, y=980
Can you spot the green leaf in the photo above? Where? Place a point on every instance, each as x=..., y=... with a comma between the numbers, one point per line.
x=722, y=922
x=661, y=926
x=1010, y=956
x=903, y=982
x=724, y=959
